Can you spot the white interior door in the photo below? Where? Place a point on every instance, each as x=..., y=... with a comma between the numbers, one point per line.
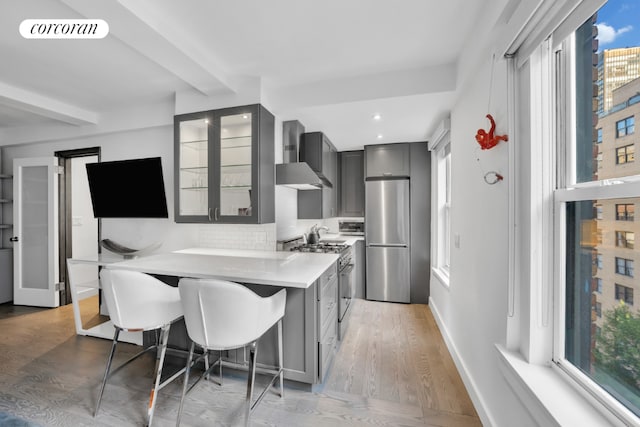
x=35, y=222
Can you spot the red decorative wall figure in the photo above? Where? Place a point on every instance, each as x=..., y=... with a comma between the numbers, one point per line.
x=488, y=140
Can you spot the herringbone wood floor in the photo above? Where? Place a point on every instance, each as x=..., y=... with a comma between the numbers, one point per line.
x=392, y=369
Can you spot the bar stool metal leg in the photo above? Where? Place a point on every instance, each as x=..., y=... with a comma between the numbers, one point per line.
x=220, y=366
x=280, y=365
x=164, y=337
x=106, y=372
x=185, y=384
x=253, y=350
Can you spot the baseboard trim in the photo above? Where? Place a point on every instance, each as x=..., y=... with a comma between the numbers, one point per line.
x=469, y=383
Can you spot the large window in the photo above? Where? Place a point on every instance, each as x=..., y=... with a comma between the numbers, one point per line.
x=598, y=334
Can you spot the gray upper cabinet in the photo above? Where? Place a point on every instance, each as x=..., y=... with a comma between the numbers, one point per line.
x=225, y=166
x=351, y=183
x=319, y=153
x=387, y=160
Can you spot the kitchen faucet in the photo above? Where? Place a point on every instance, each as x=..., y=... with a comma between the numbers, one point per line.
x=314, y=234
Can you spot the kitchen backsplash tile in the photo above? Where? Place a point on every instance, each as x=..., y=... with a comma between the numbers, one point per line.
x=261, y=237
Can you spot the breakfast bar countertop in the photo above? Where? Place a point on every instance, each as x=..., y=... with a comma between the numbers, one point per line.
x=288, y=269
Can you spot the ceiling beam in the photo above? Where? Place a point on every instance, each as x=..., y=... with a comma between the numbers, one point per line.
x=32, y=102
x=393, y=84
x=153, y=36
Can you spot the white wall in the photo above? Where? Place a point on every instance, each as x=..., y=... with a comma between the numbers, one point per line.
x=472, y=311
x=84, y=234
x=84, y=225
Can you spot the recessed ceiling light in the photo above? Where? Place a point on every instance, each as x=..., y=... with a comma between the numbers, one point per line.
x=206, y=121
x=376, y=117
x=379, y=136
x=244, y=116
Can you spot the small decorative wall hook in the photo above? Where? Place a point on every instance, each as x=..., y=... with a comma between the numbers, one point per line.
x=492, y=177
x=488, y=140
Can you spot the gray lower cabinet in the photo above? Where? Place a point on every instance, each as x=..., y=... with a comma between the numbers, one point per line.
x=361, y=269
x=351, y=198
x=327, y=324
x=310, y=331
x=309, y=328
x=387, y=160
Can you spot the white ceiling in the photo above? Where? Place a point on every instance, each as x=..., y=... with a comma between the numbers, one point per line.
x=331, y=64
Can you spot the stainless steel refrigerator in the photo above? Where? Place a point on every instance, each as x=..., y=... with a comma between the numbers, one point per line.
x=387, y=235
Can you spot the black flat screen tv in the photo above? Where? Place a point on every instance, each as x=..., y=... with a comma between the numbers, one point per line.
x=127, y=189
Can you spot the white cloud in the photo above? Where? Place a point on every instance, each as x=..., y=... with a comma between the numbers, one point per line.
x=607, y=34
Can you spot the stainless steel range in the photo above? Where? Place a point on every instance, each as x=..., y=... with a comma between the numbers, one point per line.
x=346, y=273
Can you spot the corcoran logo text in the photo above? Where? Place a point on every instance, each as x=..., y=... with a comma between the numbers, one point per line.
x=64, y=28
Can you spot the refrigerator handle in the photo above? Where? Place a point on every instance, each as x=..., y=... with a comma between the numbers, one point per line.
x=387, y=245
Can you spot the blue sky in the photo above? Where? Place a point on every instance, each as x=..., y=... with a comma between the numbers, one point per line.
x=619, y=24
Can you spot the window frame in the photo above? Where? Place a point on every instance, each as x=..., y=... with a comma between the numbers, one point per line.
x=625, y=291
x=567, y=190
x=622, y=239
x=440, y=147
x=627, y=266
x=626, y=126
x=626, y=216
x=629, y=151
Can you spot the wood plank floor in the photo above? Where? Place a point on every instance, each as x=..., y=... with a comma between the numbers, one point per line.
x=392, y=369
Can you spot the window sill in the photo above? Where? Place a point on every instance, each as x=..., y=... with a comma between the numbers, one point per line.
x=442, y=276
x=550, y=399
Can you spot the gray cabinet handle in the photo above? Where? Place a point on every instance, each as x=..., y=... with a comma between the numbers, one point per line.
x=13, y=239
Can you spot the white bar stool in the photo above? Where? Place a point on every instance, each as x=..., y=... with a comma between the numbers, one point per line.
x=139, y=302
x=208, y=305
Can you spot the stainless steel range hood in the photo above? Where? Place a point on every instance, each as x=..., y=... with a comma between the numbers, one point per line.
x=297, y=175
x=293, y=173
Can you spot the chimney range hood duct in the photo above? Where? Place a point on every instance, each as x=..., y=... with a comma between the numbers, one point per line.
x=293, y=173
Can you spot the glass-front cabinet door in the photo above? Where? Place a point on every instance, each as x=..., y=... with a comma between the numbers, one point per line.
x=236, y=154
x=192, y=152
x=225, y=166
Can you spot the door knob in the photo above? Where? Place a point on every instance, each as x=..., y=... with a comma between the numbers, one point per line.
x=13, y=239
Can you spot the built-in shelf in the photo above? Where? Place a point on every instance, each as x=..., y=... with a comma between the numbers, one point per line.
x=6, y=200
x=194, y=188
x=246, y=165
x=234, y=137
x=229, y=147
x=195, y=169
x=6, y=225
x=5, y=176
x=195, y=145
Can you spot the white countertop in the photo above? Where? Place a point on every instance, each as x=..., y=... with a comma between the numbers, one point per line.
x=288, y=269
x=348, y=238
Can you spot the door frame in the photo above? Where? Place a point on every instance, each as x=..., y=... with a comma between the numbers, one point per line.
x=65, y=220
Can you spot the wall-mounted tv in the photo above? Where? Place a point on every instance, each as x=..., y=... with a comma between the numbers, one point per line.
x=127, y=189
